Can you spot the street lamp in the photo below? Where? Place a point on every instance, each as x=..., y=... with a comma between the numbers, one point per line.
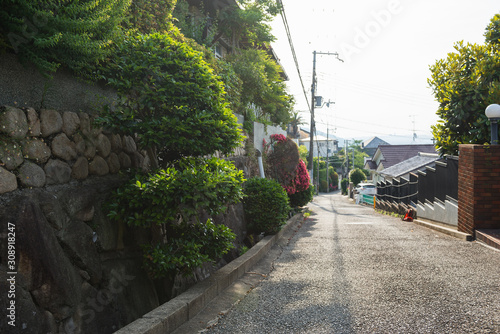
x=493, y=113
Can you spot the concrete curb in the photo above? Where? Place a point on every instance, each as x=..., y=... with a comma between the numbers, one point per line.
x=168, y=317
x=445, y=230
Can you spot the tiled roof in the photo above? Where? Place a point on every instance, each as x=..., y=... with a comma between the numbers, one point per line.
x=394, y=154
x=371, y=164
x=374, y=142
x=410, y=165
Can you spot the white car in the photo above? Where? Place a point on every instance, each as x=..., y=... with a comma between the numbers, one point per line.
x=366, y=189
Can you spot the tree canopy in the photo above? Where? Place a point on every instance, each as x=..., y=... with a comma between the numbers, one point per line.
x=50, y=34
x=464, y=84
x=170, y=97
x=263, y=91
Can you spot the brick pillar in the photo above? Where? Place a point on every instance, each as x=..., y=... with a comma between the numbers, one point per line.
x=478, y=188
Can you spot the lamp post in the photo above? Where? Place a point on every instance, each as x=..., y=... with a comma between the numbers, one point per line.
x=493, y=113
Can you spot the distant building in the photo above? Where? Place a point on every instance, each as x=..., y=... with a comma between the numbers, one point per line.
x=389, y=155
x=326, y=146
x=369, y=146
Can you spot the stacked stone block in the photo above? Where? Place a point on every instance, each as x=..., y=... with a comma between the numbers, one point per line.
x=49, y=147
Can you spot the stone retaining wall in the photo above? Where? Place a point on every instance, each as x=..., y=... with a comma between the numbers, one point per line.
x=75, y=270
x=47, y=147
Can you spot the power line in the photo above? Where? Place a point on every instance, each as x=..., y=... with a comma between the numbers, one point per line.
x=371, y=132
x=394, y=95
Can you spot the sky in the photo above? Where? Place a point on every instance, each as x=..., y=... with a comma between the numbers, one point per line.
x=380, y=88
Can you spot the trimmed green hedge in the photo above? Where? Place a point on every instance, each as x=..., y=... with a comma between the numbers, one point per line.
x=266, y=205
x=301, y=198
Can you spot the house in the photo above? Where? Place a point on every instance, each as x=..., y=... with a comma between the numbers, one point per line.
x=326, y=146
x=389, y=155
x=412, y=165
x=369, y=146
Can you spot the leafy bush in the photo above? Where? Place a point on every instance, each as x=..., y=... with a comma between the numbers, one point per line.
x=150, y=16
x=356, y=176
x=322, y=163
x=172, y=198
x=191, y=246
x=262, y=87
x=464, y=83
x=266, y=205
x=301, y=198
x=333, y=179
x=344, y=184
x=183, y=190
x=76, y=34
x=323, y=186
x=170, y=98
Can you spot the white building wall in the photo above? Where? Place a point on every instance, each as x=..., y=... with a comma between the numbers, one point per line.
x=322, y=147
x=260, y=133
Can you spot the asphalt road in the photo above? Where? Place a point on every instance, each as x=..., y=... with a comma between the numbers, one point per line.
x=351, y=270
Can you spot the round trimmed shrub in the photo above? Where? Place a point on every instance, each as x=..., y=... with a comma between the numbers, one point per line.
x=266, y=205
x=356, y=176
x=301, y=198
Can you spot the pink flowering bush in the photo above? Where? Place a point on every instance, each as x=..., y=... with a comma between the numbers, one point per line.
x=286, y=166
x=301, y=180
x=283, y=158
x=278, y=138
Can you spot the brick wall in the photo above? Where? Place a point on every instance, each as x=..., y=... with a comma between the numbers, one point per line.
x=478, y=188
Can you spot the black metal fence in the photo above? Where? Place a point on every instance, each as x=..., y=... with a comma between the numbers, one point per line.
x=404, y=190
x=432, y=184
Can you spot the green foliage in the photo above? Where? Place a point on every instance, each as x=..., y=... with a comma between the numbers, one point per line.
x=464, y=84
x=266, y=205
x=333, y=179
x=180, y=193
x=492, y=33
x=170, y=98
x=50, y=34
x=184, y=189
x=359, y=154
x=336, y=161
x=356, y=176
x=301, y=198
x=200, y=28
x=262, y=87
x=295, y=121
x=243, y=250
x=147, y=16
x=344, y=184
x=232, y=82
x=322, y=163
x=249, y=23
x=191, y=246
x=303, y=153
x=366, y=172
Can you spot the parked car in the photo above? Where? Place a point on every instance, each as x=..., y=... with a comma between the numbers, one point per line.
x=366, y=189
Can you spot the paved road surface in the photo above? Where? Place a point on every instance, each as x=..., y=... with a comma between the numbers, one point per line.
x=351, y=270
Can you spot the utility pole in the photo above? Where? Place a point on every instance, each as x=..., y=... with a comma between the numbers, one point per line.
x=346, y=143
x=353, y=156
x=327, y=181
x=313, y=101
